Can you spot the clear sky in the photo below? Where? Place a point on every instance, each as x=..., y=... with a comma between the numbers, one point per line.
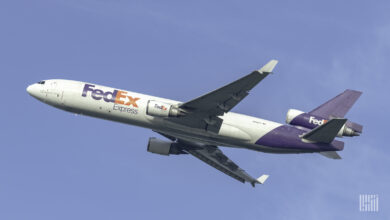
x=55, y=165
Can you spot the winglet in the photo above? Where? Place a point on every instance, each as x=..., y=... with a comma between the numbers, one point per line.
x=262, y=179
x=267, y=68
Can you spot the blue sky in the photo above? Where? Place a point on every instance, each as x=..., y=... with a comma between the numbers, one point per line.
x=55, y=165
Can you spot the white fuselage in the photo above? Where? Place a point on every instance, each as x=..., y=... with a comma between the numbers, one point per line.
x=237, y=130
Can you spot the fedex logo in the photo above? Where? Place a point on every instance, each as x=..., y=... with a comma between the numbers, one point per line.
x=315, y=121
x=160, y=107
x=116, y=96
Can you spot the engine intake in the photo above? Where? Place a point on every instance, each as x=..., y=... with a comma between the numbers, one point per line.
x=164, y=147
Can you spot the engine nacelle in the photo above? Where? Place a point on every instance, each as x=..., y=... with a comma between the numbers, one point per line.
x=306, y=120
x=160, y=109
x=163, y=147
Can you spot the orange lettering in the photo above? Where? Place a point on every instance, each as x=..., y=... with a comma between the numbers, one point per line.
x=132, y=101
x=118, y=97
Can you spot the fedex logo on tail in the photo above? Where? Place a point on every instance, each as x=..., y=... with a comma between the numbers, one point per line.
x=116, y=96
x=315, y=121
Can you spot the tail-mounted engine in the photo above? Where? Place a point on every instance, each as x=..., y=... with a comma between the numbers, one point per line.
x=306, y=120
x=160, y=109
x=164, y=147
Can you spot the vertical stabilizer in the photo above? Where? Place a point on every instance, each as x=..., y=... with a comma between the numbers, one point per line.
x=338, y=106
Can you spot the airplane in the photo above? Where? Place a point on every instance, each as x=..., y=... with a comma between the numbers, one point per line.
x=197, y=127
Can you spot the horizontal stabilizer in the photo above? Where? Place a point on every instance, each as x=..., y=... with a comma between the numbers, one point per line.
x=330, y=154
x=355, y=126
x=326, y=132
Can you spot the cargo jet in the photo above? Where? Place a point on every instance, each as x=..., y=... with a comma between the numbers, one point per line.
x=199, y=126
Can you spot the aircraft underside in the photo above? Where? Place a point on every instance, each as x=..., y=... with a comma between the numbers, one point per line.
x=199, y=126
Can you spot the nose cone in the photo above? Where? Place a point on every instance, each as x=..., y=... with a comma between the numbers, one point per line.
x=33, y=90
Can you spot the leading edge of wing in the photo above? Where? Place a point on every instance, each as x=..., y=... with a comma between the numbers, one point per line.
x=225, y=98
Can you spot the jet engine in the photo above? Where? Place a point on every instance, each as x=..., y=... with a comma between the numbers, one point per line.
x=307, y=120
x=161, y=109
x=164, y=147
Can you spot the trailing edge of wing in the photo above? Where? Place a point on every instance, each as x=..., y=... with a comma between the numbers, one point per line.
x=214, y=157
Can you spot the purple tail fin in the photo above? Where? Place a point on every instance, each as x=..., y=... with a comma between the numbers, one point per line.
x=338, y=106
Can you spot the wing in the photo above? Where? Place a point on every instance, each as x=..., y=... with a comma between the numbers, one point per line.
x=214, y=157
x=225, y=98
x=202, y=112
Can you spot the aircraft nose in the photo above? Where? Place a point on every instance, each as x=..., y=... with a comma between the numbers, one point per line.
x=33, y=90
x=29, y=89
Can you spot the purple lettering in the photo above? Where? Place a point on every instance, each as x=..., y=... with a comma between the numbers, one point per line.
x=97, y=94
x=112, y=94
x=87, y=88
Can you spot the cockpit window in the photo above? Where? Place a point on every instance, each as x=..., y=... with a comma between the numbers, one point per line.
x=41, y=82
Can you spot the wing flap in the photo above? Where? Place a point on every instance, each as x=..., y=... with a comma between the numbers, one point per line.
x=214, y=157
x=228, y=170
